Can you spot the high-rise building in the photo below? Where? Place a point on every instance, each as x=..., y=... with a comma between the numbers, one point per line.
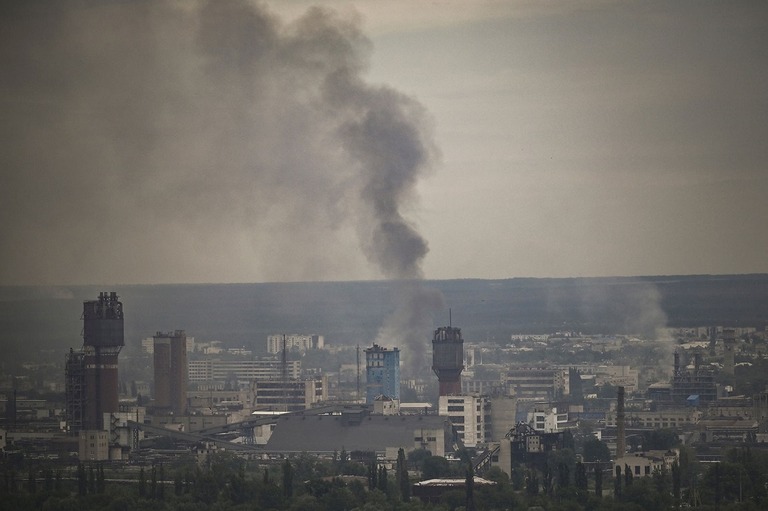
x=448, y=359
x=91, y=373
x=382, y=373
x=170, y=364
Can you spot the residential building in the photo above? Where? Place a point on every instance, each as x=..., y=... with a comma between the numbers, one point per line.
x=382, y=373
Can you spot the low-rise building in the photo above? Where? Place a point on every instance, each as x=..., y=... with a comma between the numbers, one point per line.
x=644, y=464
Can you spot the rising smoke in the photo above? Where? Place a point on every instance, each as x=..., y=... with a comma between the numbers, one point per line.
x=152, y=141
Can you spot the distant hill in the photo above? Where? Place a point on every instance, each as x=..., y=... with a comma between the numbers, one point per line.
x=351, y=312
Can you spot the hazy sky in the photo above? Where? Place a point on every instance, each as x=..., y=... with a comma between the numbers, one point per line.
x=147, y=142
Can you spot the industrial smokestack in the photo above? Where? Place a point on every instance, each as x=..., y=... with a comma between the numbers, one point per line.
x=102, y=342
x=448, y=359
x=621, y=441
x=677, y=364
x=729, y=349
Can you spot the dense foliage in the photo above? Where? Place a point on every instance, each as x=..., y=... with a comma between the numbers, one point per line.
x=226, y=483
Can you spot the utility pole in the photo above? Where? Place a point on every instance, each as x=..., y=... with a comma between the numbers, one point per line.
x=358, y=373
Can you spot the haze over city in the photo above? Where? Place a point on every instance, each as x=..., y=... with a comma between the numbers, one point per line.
x=162, y=142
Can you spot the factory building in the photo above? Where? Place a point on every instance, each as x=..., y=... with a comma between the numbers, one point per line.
x=91, y=383
x=170, y=365
x=693, y=386
x=382, y=373
x=539, y=383
x=448, y=359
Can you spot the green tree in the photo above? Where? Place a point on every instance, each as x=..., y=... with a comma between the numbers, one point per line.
x=401, y=473
x=160, y=495
x=659, y=439
x=435, y=467
x=582, y=483
x=142, y=483
x=532, y=483
x=100, y=483
x=596, y=450
x=563, y=475
x=178, y=485
x=82, y=480
x=469, y=486
x=31, y=482
x=287, y=479
x=382, y=482
x=676, y=484
x=599, y=481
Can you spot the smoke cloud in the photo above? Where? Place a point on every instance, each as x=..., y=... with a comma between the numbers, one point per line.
x=201, y=141
x=162, y=141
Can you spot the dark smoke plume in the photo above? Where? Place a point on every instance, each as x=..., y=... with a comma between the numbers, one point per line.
x=147, y=141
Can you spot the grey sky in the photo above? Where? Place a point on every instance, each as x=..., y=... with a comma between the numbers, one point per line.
x=162, y=142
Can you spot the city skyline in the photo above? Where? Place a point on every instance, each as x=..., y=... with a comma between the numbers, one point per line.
x=549, y=140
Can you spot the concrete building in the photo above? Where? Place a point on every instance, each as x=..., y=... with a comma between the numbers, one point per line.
x=503, y=412
x=294, y=342
x=244, y=371
x=359, y=431
x=547, y=420
x=382, y=373
x=644, y=464
x=541, y=383
x=93, y=445
x=170, y=365
x=148, y=345
x=523, y=444
x=287, y=395
x=470, y=415
x=663, y=418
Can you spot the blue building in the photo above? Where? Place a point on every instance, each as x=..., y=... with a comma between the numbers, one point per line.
x=382, y=373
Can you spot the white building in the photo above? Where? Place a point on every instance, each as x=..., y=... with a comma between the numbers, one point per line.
x=644, y=464
x=242, y=370
x=547, y=420
x=470, y=415
x=294, y=342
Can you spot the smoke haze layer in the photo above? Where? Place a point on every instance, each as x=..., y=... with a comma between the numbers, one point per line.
x=147, y=141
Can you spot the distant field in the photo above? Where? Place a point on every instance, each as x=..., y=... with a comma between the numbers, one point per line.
x=351, y=312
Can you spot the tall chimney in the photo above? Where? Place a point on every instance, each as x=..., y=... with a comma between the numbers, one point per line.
x=448, y=359
x=621, y=441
